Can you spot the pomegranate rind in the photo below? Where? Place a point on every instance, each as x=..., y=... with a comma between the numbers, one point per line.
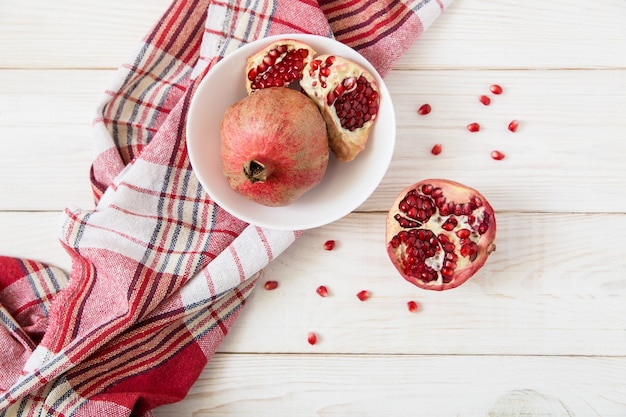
x=290, y=45
x=344, y=143
x=465, y=268
x=283, y=130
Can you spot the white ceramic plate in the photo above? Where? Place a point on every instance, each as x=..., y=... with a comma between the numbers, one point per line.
x=346, y=185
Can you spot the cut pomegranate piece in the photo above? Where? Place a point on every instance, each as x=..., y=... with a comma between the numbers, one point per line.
x=270, y=285
x=277, y=65
x=437, y=148
x=439, y=233
x=412, y=306
x=329, y=245
x=424, y=109
x=348, y=97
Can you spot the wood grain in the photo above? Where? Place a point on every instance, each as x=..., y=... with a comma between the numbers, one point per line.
x=365, y=385
x=73, y=33
x=541, y=325
x=477, y=34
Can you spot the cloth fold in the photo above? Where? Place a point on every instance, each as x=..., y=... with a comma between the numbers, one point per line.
x=159, y=271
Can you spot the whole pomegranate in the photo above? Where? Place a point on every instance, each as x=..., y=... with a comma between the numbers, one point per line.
x=439, y=233
x=274, y=146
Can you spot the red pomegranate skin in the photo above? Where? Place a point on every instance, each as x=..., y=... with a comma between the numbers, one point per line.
x=281, y=130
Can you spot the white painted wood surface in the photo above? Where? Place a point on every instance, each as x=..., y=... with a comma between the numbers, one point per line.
x=542, y=326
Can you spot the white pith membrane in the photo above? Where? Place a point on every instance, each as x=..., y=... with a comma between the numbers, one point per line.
x=435, y=224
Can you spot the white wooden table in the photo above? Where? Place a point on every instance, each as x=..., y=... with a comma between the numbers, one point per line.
x=544, y=320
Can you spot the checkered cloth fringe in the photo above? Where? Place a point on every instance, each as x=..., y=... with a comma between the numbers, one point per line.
x=159, y=271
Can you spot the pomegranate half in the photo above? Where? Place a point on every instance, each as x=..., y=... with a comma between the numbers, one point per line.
x=440, y=233
x=274, y=146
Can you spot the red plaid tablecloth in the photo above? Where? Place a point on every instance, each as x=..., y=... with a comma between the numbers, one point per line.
x=159, y=272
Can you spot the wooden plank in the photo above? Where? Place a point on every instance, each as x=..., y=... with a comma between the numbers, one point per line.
x=355, y=385
x=74, y=33
x=470, y=34
x=546, y=290
x=568, y=139
x=549, y=289
x=531, y=34
x=45, y=129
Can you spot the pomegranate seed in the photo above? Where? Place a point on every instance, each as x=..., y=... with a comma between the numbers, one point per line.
x=495, y=89
x=424, y=109
x=329, y=245
x=312, y=338
x=473, y=127
x=485, y=100
x=363, y=295
x=412, y=306
x=322, y=291
x=513, y=125
x=271, y=285
x=497, y=155
x=436, y=150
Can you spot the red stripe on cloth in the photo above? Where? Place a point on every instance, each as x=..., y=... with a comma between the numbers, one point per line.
x=385, y=33
x=45, y=298
x=11, y=270
x=167, y=23
x=219, y=322
x=349, y=24
x=266, y=245
x=222, y=34
x=400, y=16
x=369, y=7
x=393, y=18
x=237, y=261
x=67, y=329
x=342, y=6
